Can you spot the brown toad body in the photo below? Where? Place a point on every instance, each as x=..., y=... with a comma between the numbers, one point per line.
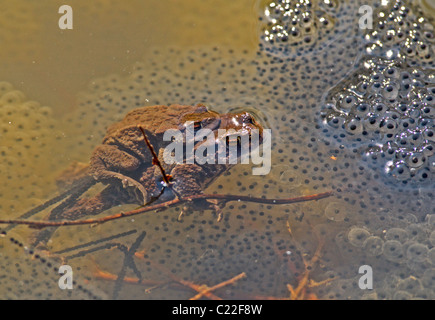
x=124, y=162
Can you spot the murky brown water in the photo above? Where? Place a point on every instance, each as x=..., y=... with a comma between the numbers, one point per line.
x=122, y=55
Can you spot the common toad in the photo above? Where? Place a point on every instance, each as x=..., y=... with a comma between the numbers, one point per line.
x=124, y=162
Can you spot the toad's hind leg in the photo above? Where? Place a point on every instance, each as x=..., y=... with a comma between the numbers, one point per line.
x=74, y=209
x=77, y=189
x=107, y=163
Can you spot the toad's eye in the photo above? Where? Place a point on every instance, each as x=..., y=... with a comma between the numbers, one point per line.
x=248, y=119
x=197, y=125
x=210, y=123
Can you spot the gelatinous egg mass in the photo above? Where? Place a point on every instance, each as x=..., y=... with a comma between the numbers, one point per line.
x=293, y=27
x=401, y=30
x=386, y=110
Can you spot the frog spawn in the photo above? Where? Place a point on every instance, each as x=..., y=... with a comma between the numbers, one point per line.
x=401, y=30
x=27, y=130
x=409, y=247
x=386, y=111
x=291, y=27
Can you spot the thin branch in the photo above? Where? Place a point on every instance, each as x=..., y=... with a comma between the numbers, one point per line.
x=155, y=158
x=207, y=290
x=167, y=204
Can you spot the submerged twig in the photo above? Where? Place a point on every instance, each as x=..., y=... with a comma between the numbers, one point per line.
x=206, y=290
x=167, y=204
x=156, y=160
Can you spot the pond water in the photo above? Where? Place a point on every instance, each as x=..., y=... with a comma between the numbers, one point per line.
x=350, y=102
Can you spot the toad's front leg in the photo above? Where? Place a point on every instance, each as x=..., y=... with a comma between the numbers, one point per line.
x=191, y=179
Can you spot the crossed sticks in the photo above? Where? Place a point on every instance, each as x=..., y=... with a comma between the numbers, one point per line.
x=202, y=290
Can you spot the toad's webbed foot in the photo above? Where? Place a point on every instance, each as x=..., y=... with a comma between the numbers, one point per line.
x=211, y=204
x=138, y=190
